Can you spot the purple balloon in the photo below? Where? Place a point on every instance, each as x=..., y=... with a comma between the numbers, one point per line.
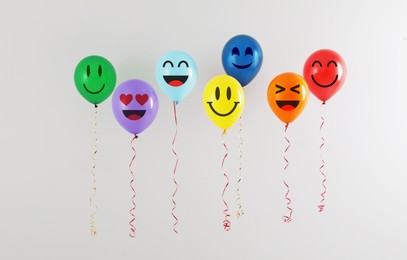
x=135, y=105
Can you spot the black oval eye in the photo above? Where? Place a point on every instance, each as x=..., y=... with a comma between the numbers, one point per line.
x=333, y=62
x=317, y=62
x=229, y=93
x=168, y=62
x=248, y=51
x=217, y=93
x=88, y=70
x=100, y=70
x=235, y=51
x=183, y=62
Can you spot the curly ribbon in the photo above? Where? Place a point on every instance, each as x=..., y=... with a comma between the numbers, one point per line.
x=175, y=170
x=92, y=203
x=132, y=227
x=240, y=210
x=226, y=222
x=287, y=218
x=321, y=206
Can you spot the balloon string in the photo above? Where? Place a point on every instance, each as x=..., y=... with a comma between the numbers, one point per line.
x=92, y=203
x=175, y=169
x=287, y=218
x=321, y=206
x=133, y=217
x=240, y=210
x=226, y=222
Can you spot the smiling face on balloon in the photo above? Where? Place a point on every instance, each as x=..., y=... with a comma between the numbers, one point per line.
x=95, y=78
x=176, y=74
x=135, y=105
x=287, y=95
x=223, y=100
x=242, y=58
x=325, y=72
x=134, y=108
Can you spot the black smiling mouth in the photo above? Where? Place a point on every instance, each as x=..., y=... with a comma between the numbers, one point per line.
x=93, y=92
x=324, y=86
x=134, y=114
x=175, y=80
x=242, y=66
x=219, y=114
x=287, y=105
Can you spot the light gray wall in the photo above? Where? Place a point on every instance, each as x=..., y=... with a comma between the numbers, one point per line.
x=46, y=133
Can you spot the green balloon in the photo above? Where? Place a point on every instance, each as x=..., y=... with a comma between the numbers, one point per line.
x=95, y=78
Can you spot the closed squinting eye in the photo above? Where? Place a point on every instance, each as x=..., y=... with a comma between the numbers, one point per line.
x=280, y=89
x=317, y=62
x=294, y=89
x=168, y=62
x=332, y=62
x=248, y=51
x=183, y=62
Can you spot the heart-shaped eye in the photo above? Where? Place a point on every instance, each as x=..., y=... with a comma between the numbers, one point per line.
x=141, y=99
x=126, y=99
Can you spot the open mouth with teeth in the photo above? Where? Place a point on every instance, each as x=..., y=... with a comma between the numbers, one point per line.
x=242, y=66
x=175, y=80
x=287, y=105
x=134, y=114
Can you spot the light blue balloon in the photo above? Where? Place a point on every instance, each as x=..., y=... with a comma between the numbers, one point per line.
x=242, y=58
x=176, y=74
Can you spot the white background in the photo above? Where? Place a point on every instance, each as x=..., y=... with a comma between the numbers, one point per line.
x=46, y=133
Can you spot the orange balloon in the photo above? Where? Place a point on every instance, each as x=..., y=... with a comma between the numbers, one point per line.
x=288, y=95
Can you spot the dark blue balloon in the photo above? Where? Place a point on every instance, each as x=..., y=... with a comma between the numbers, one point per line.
x=242, y=58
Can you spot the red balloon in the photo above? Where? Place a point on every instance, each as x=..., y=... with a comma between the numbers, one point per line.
x=325, y=72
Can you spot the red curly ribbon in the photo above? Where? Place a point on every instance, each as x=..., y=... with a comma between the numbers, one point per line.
x=175, y=170
x=132, y=227
x=226, y=221
x=287, y=218
x=92, y=203
x=321, y=206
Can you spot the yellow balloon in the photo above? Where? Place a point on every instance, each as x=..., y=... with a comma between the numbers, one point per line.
x=223, y=99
